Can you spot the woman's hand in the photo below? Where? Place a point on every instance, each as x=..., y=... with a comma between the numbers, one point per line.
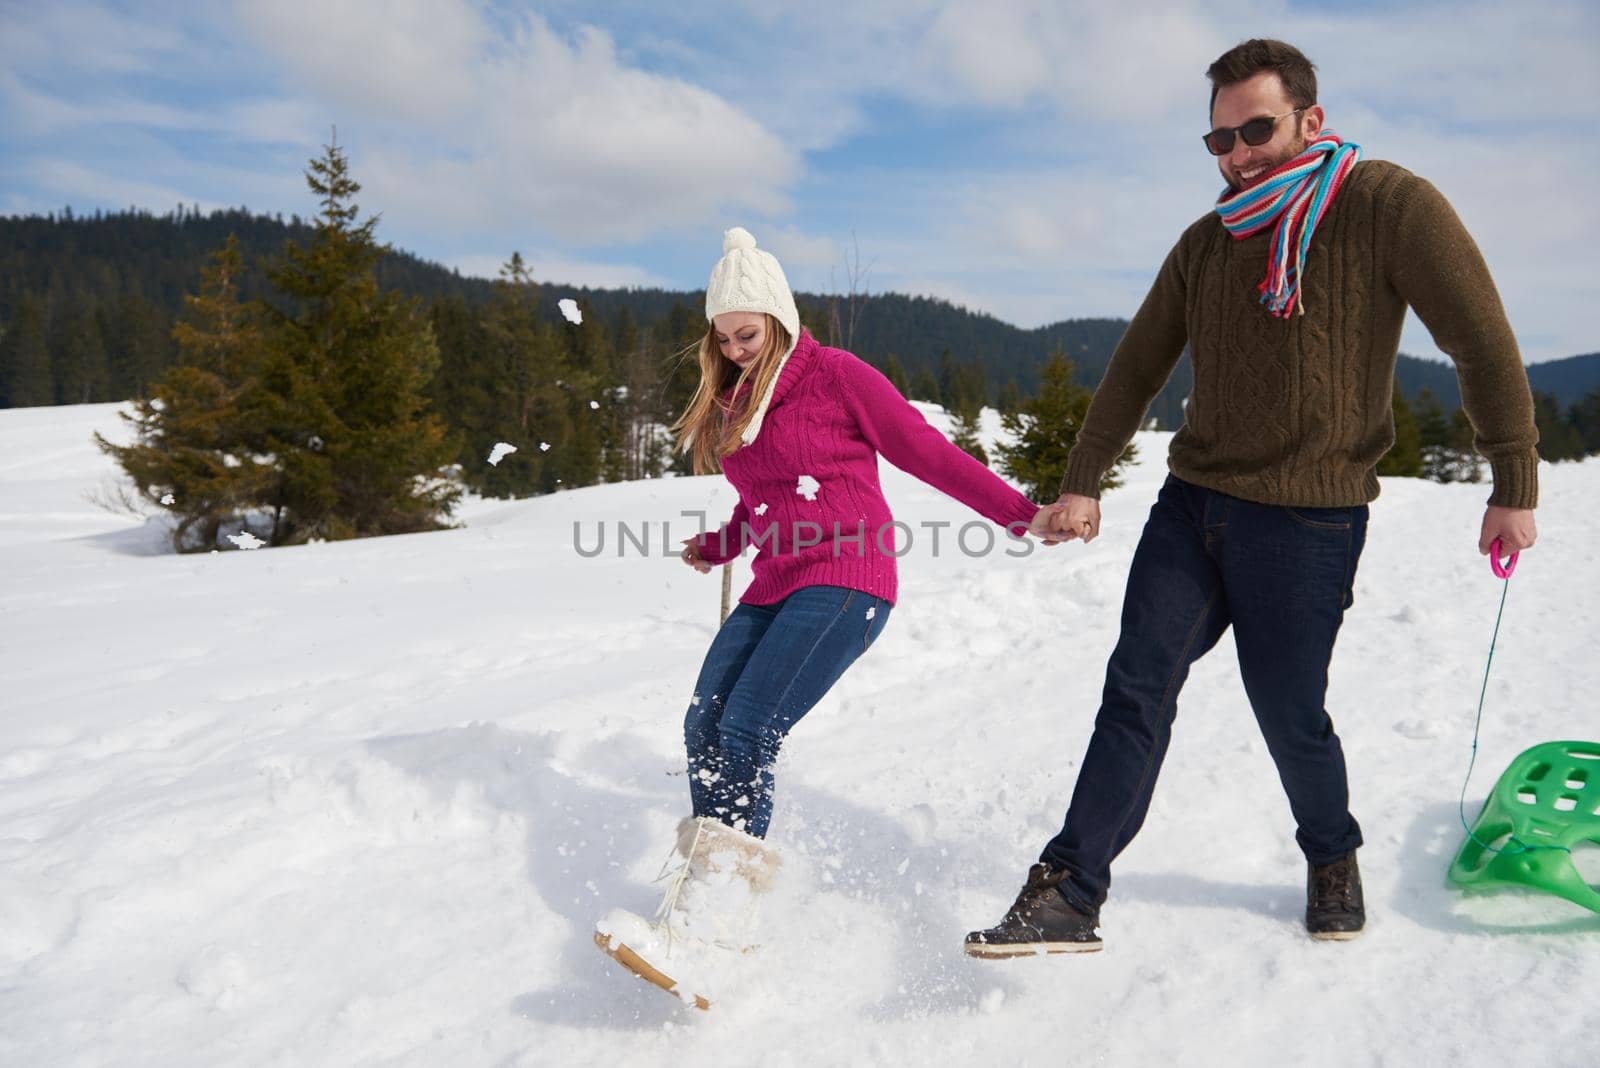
x=1070, y=518
x=691, y=556
x=1074, y=518
x=1043, y=525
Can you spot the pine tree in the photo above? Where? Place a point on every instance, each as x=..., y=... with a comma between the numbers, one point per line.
x=1463, y=443
x=951, y=384
x=584, y=373
x=636, y=405
x=1446, y=440
x=1585, y=418
x=964, y=425
x=962, y=386
x=25, y=379
x=963, y=390
x=1450, y=455
x=1010, y=397
x=1558, y=438
x=346, y=370
x=78, y=355
x=518, y=374
x=1043, y=431
x=464, y=390
x=139, y=344
x=1404, y=458
x=896, y=373
x=198, y=440
x=678, y=338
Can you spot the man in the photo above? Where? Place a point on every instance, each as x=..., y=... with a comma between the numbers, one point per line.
x=1291, y=295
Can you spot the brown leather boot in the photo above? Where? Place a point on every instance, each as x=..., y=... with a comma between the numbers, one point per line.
x=1040, y=921
x=1335, y=910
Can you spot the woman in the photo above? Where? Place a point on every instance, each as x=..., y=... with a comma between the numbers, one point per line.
x=797, y=428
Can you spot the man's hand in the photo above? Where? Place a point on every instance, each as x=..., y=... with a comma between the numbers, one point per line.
x=691, y=556
x=1073, y=517
x=1513, y=526
x=1043, y=524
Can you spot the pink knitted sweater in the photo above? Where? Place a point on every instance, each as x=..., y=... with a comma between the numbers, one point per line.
x=809, y=497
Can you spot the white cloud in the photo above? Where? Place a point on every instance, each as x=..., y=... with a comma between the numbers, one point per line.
x=102, y=39
x=1078, y=57
x=410, y=60
x=800, y=251
x=1480, y=63
x=998, y=51
x=41, y=112
x=269, y=120
x=447, y=118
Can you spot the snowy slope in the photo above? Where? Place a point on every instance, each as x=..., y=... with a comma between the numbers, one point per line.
x=360, y=803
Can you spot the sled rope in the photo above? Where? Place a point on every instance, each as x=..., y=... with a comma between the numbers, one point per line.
x=670, y=900
x=1514, y=845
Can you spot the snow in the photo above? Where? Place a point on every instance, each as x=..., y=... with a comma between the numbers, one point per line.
x=246, y=540
x=363, y=802
x=570, y=311
x=500, y=451
x=807, y=487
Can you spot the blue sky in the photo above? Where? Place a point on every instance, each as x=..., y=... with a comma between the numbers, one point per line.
x=1032, y=160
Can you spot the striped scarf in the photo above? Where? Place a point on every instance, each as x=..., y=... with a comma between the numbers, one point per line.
x=1295, y=195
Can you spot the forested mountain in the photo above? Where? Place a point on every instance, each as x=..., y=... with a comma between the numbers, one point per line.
x=87, y=306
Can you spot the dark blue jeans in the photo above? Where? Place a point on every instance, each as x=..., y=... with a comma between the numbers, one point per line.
x=1282, y=577
x=768, y=666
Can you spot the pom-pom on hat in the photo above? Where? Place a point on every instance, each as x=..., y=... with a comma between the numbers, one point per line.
x=747, y=279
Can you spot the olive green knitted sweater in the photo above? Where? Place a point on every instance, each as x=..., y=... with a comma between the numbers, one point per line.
x=1297, y=411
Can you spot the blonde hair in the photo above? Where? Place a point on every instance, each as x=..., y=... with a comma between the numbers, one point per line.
x=710, y=427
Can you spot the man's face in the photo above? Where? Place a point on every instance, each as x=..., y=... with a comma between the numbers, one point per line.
x=1255, y=98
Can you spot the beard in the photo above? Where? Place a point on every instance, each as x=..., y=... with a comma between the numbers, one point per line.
x=1289, y=152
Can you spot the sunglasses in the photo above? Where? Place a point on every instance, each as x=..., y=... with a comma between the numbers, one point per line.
x=1255, y=132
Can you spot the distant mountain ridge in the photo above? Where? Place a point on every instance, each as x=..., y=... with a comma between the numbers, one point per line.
x=77, y=261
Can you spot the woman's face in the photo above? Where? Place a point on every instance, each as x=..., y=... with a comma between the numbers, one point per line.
x=740, y=336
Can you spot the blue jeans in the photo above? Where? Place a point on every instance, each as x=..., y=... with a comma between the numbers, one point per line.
x=768, y=666
x=1282, y=577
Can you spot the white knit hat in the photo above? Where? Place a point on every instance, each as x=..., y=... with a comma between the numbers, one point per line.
x=746, y=279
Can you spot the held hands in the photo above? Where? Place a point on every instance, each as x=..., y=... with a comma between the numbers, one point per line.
x=1072, y=517
x=1513, y=526
x=691, y=556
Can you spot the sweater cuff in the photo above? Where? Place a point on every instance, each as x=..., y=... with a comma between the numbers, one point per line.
x=1516, y=480
x=1019, y=516
x=1083, y=475
x=717, y=547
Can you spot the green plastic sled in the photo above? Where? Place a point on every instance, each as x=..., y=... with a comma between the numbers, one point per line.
x=1548, y=801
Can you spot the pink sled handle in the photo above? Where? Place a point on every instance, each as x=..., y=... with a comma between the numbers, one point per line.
x=1501, y=571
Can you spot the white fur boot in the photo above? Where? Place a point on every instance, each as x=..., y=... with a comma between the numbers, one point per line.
x=711, y=904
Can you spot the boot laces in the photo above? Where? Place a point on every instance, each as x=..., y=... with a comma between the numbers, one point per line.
x=669, y=900
x=1332, y=886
